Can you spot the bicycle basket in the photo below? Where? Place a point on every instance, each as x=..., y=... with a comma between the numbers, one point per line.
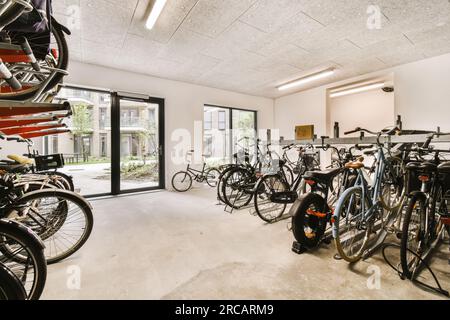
x=49, y=162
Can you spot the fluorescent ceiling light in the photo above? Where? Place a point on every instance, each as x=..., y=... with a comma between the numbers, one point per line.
x=368, y=87
x=158, y=7
x=312, y=77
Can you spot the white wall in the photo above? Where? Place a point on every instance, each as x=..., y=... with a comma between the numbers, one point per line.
x=183, y=102
x=422, y=98
x=423, y=93
x=372, y=110
x=303, y=108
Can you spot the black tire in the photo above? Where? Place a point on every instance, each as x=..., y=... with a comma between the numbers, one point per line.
x=289, y=174
x=236, y=188
x=212, y=177
x=184, y=177
x=63, y=63
x=31, y=266
x=412, y=232
x=57, y=220
x=265, y=188
x=220, y=183
x=10, y=286
x=308, y=229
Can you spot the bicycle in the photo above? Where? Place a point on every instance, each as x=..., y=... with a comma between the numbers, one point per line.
x=363, y=209
x=40, y=55
x=62, y=219
x=428, y=206
x=274, y=191
x=182, y=180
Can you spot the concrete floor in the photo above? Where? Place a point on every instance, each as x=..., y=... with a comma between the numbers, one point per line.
x=183, y=246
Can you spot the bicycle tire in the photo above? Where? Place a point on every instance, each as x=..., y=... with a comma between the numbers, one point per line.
x=216, y=176
x=338, y=230
x=62, y=219
x=220, y=183
x=10, y=286
x=301, y=219
x=417, y=199
x=246, y=194
x=179, y=189
x=269, y=182
x=12, y=231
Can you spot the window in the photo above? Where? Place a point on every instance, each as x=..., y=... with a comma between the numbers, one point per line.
x=54, y=144
x=222, y=120
x=208, y=120
x=208, y=146
x=103, y=145
x=223, y=137
x=103, y=118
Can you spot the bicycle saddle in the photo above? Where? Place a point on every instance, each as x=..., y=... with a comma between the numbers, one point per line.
x=20, y=159
x=444, y=168
x=14, y=168
x=421, y=166
x=322, y=176
x=355, y=164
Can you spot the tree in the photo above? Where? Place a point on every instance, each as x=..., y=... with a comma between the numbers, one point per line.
x=81, y=123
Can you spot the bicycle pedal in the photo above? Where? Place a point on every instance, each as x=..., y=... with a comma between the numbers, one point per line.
x=298, y=248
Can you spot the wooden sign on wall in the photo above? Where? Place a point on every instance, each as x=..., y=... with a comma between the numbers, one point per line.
x=304, y=132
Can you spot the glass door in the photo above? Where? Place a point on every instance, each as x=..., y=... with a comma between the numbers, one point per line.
x=141, y=144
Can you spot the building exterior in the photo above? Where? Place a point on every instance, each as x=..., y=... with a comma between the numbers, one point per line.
x=90, y=124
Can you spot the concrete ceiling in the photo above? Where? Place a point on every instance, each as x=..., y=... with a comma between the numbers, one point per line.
x=252, y=46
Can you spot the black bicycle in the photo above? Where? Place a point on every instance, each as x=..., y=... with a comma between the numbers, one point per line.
x=428, y=185
x=182, y=180
x=274, y=191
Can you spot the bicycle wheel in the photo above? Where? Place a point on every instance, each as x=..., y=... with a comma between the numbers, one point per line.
x=237, y=188
x=62, y=219
x=289, y=174
x=23, y=253
x=351, y=230
x=220, y=183
x=182, y=181
x=266, y=187
x=307, y=226
x=65, y=179
x=10, y=286
x=392, y=190
x=32, y=81
x=212, y=177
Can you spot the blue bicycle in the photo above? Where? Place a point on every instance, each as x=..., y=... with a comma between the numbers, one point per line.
x=366, y=208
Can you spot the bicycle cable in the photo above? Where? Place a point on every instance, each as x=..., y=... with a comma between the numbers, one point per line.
x=439, y=288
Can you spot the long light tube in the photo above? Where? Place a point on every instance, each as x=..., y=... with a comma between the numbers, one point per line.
x=310, y=78
x=155, y=13
x=346, y=92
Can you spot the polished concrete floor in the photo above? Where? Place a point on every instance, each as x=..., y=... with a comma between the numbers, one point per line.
x=166, y=245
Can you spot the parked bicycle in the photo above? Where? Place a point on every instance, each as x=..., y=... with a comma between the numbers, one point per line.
x=428, y=186
x=366, y=208
x=182, y=180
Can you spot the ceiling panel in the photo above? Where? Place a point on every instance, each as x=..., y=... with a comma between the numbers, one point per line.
x=212, y=17
x=252, y=46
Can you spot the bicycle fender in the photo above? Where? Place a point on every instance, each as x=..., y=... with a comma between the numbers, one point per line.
x=13, y=224
x=61, y=27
